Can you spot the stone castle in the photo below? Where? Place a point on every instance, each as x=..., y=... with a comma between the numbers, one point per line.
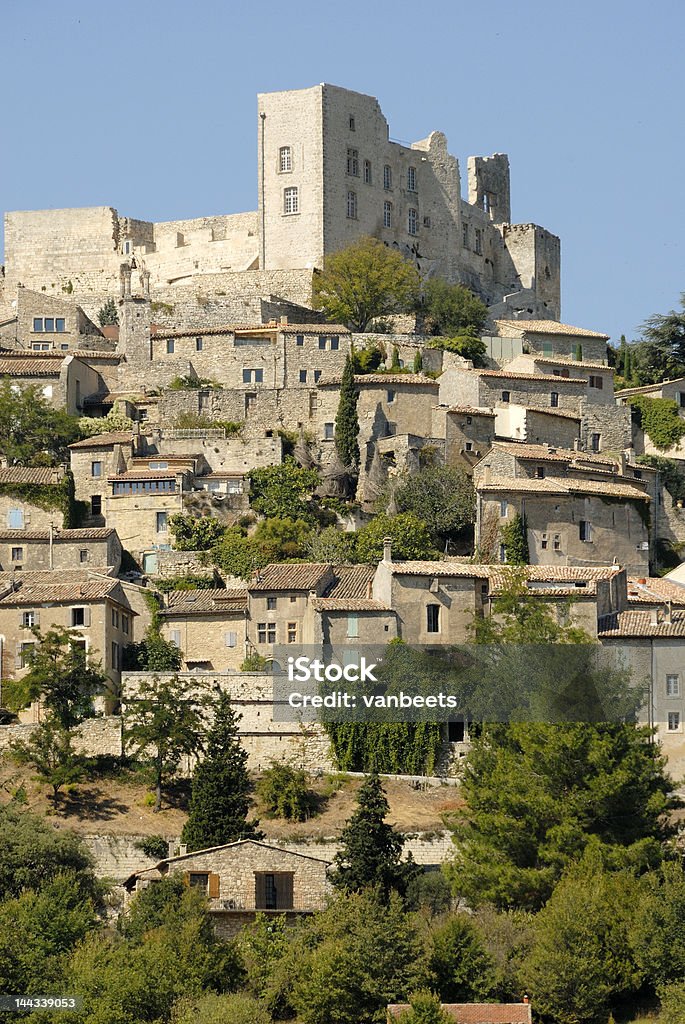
x=328, y=172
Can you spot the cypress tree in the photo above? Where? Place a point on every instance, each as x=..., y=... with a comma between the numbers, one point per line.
x=219, y=802
x=346, y=420
x=371, y=848
x=418, y=362
x=395, y=361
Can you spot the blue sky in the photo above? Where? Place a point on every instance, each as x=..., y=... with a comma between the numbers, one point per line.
x=149, y=106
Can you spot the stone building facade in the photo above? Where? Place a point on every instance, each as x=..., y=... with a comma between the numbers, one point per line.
x=44, y=550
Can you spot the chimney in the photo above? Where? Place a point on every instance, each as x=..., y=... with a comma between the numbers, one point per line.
x=668, y=612
x=284, y=320
x=654, y=616
x=526, y=999
x=622, y=464
x=182, y=849
x=369, y=590
x=387, y=549
x=125, y=280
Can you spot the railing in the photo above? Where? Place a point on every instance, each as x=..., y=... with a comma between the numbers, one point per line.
x=188, y=433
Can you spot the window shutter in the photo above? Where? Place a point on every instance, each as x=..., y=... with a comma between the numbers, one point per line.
x=176, y=637
x=214, y=887
x=231, y=639
x=284, y=883
x=260, y=891
x=36, y=618
x=17, y=657
x=86, y=616
x=21, y=621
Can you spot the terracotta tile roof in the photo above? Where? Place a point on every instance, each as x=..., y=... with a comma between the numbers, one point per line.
x=30, y=475
x=28, y=368
x=550, y=327
x=383, y=379
x=63, y=587
x=435, y=568
x=543, y=453
x=547, y=378
x=351, y=581
x=89, y=533
x=477, y=1013
x=655, y=591
x=243, y=329
x=110, y=437
x=637, y=624
x=81, y=353
x=545, y=411
x=313, y=329
x=292, y=576
x=626, y=392
x=200, y=602
x=563, y=485
x=348, y=604
x=558, y=581
x=572, y=362
x=470, y=410
x=146, y=474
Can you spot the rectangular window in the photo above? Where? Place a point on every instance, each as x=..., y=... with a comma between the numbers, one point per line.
x=478, y=247
x=271, y=604
x=317, y=374
x=540, y=472
x=78, y=616
x=49, y=323
x=95, y=504
x=426, y=222
x=292, y=633
x=674, y=721
x=556, y=543
x=161, y=522
x=24, y=659
x=199, y=880
x=554, y=399
x=411, y=179
x=391, y=396
x=352, y=205
x=115, y=655
x=585, y=530
x=198, y=344
x=335, y=343
x=96, y=469
x=253, y=376
x=503, y=509
x=231, y=638
x=175, y=637
x=303, y=376
x=124, y=623
x=328, y=431
x=266, y=632
x=506, y=395
x=596, y=382
x=543, y=542
x=274, y=891
x=387, y=215
x=412, y=221
x=433, y=618
x=17, y=554
x=38, y=324
x=170, y=346
x=673, y=686
x=115, y=618
x=367, y=172
x=352, y=625
x=387, y=176
x=15, y=519
x=291, y=200
x=28, y=620
x=465, y=235
x=353, y=162
x=595, y=442
x=83, y=555
x=285, y=161
x=351, y=123
x=59, y=325
x=299, y=341
x=250, y=402
x=469, y=446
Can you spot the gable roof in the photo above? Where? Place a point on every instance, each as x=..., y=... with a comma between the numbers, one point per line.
x=382, y=379
x=291, y=576
x=40, y=475
x=477, y=1013
x=562, y=485
x=62, y=587
x=550, y=327
x=641, y=624
x=105, y=440
x=29, y=367
x=203, y=601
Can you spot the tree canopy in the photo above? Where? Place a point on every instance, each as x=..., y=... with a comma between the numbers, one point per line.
x=442, y=497
x=452, y=309
x=32, y=433
x=366, y=280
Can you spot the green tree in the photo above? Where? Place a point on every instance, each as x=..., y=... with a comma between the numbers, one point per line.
x=108, y=314
x=32, y=433
x=195, y=533
x=515, y=539
x=582, y=960
x=32, y=853
x=283, y=790
x=371, y=849
x=452, y=309
x=418, y=362
x=238, y=555
x=461, y=968
x=367, y=359
x=50, y=752
x=659, y=925
x=672, y=999
x=366, y=280
x=426, y=1008
x=164, y=722
x=464, y=345
x=667, y=330
x=283, y=491
x=347, y=421
x=153, y=653
x=331, y=545
x=410, y=538
x=62, y=676
x=220, y=800
x=442, y=497
x=395, y=365
x=264, y=950
x=215, y=1009
x=356, y=957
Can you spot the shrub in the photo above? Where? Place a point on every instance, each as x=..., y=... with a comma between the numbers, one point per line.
x=659, y=419
x=283, y=791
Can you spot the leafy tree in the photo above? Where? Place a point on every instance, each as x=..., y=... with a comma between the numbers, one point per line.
x=464, y=345
x=38, y=928
x=50, y=751
x=371, y=849
x=347, y=421
x=32, y=433
x=356, y=957
x=215, y=1009
x=153, y=653
x=672, y=999
x=88, y=426
x=32, y=853
x=220, y=801
x=62, y=676
x=195, y=533
x=452, y=309
x=283, y=491
x=331, y=545
x=410, y=538
x=367, y=359
x=668, y=330
x=418, y=362
x=164, y=722
x=426, y=1008
x=108, y=314
x=461, y=968
x=430, y=891
x=280, y=539
x=658, y=927
x=264, y=951
x=283, y=790
x=366, y=280
x=582, y=962
x=254, y=663
x=515, y=538
x=238, y=555
x=507, y=937
x=442, y=497
x=659, y=418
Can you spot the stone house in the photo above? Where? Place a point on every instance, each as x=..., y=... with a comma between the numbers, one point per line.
x=138, y=505
x=468, y=432
x=278, y=604
x=43, y=550
x=548, y=338
x=475, y=1013
x=598, y=376
x=63, y=379
x=94, y=605
x=580, y=509
x=93, y=461
x=348, y=614
x=243, y=879
x=538, y=425
x=495, y=389
x=18, y=512
x=47, y=323
x=209, y=626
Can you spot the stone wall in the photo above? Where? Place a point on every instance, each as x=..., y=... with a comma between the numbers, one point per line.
x=93, y=738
